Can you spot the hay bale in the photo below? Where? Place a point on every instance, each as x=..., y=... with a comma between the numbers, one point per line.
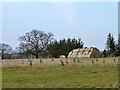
x=79, y=53
x=75, y=50
x=85, y=52
x=82, y=50
x=62, y=56
x=70, y=53
x=87, y=49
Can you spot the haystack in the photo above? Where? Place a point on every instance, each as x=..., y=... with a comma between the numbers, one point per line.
x=85, y=52
x=62, y=56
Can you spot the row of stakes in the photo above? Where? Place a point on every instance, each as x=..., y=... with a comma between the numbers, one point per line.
x=62, y=63
x=103, y=60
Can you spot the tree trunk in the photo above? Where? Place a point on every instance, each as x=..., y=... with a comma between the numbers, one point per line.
x=36, y=56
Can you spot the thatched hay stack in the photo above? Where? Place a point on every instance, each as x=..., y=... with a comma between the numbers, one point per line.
x=85, y=52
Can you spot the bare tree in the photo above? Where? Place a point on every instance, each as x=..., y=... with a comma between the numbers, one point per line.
x=6, y=50
x=34, y=42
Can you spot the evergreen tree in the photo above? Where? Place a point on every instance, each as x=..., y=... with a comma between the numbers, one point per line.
x=110, y=43
x=63, y=47
x=117, y=53
x=119, y=42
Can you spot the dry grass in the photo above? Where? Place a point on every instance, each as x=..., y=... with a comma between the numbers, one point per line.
x=82, y=61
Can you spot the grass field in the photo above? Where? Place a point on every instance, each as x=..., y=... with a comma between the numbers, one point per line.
x=52, y=75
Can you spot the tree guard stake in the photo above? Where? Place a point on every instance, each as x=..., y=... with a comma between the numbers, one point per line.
x=22, y=61
x=103, y=60
x=74, y=59
x=114, y=59
x=92, y=61
x=66, y=61
x=78, y=59
x=96, y=59
x=28, y=59
x=40, y=60
x=30, y=62
x=52, y=59
x=62, y=63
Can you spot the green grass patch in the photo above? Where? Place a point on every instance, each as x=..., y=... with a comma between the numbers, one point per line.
x=57, y=76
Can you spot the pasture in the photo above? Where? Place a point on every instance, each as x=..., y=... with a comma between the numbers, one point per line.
x=51, y=74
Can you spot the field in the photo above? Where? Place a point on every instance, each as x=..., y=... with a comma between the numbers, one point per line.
x=48, y=74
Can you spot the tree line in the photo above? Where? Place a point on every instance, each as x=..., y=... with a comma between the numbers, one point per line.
x=112, y=46
x=40, y=44
x=63, y=47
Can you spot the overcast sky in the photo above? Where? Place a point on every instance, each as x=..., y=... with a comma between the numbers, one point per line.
x=88, y=20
